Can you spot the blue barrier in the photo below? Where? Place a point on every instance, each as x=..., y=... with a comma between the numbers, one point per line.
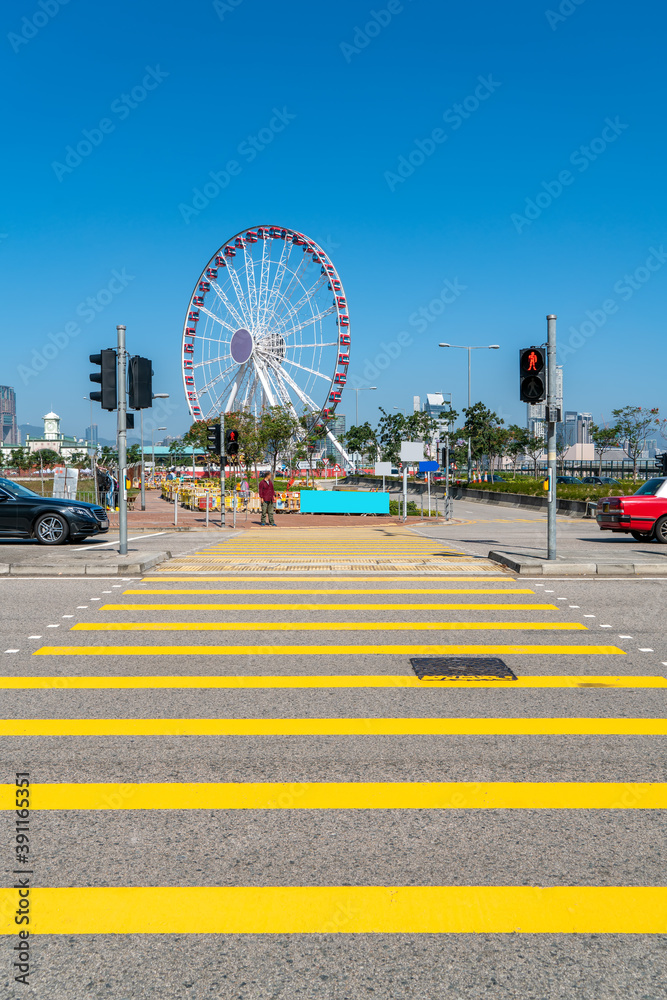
x=330, y=502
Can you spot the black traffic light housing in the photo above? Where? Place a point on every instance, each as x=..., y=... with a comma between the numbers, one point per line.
x=532, y=375
x=661, y=461
x=231, y=442
x=106, y=378
x=141, y=383
x=213, y=438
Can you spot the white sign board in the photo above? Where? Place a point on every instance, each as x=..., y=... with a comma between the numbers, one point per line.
x=412, y=451
x=303, y=465
x=383, y=468
x=65, y=482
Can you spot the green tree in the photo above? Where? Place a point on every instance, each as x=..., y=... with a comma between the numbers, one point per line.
x=133, y=454
x=633, y=424
x=20, y=459
x=362, y=439
x=108, y=456
x=516, y=444
x=604, y=439
x=533, y=447
x=481, y=426
x=48, y=456
x=277, y=428
x=561, y=446
x=391, y=430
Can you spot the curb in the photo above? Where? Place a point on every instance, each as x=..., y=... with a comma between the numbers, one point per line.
x=539, y=567
x=85, y=568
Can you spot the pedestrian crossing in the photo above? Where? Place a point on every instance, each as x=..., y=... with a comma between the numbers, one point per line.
x=345, y=695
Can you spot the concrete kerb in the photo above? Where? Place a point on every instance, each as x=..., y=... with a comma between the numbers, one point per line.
x=84, y=568
x=539, y=567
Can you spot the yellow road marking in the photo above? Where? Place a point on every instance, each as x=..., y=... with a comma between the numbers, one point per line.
x=325, y=626
x=334, y=727
x=325, y=681
x=340, y=590
x=343, y=795
x=199, y=578
x=333, y=650
x=303, y=606
x=342, y=909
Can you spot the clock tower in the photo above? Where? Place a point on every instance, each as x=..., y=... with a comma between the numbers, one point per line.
x=51, y=427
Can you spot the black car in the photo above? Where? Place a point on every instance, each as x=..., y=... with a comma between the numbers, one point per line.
x=51, y=520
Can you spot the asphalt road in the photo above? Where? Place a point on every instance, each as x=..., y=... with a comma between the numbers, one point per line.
x=592, y=650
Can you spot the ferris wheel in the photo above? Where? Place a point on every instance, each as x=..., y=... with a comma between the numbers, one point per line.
x=267, y=325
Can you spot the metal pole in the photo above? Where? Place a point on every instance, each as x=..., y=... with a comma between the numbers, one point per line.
x=405, y=493
x=222, y=470
x=122, y=442
x=428, y=480
x=356, y=412
x=446, y=475
x=206, y=501
x=176, y=507
x=468, y=416
x=551, y=434
x=234, y=509
x=143, y=472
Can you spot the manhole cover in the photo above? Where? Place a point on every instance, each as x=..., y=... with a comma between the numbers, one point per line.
x=464, y=668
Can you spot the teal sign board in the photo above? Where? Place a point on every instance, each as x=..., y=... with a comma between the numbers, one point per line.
x=334, y=502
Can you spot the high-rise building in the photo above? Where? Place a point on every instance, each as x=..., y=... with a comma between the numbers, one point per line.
x=92, y=435
x=416, y=404
x=9, y=432
x=337, y=428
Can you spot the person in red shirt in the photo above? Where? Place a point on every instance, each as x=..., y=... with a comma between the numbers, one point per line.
x=267, y=495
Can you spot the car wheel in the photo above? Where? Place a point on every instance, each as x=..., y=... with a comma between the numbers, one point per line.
x=660, y=531
x=641, y=536
x=51, y=529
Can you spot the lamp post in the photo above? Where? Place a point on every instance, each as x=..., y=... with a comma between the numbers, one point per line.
x=363, y=388
x=156, y=395
x=153, y=445
x=460, y=347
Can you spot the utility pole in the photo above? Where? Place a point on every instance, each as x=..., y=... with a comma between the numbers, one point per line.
x=222, y=470
x=122, y=441
x=551, y=435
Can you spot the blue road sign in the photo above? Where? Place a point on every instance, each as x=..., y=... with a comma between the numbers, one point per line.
x=428, y=466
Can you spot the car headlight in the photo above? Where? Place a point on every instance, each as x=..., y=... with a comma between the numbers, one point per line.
x=82, y=512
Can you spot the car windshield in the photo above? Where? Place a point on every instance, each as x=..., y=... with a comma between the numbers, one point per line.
x=650, y=488
x=16, y=489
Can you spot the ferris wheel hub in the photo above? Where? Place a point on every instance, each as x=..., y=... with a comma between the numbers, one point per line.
x=241, y=346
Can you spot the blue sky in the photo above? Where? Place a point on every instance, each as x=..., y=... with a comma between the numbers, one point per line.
x=543, y=192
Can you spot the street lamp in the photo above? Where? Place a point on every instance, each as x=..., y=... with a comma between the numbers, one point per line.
x=153, y=445
x=363, y=388
x=156, y=395
x=460, y=347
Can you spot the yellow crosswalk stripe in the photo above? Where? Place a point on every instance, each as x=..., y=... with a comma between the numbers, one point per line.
x=342, y=909
x=250, y=681
x=340, y=590
x=342, y=795
x=325, y=626
x=201, y=578
x=335, y=727
x=353, y=606
x=332, y=650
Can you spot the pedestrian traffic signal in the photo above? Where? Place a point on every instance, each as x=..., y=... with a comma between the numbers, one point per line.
x=141, y=383
x=231, y=442
x=129, y=421
x=106, y=378
x=213, y=438
x=532, y=376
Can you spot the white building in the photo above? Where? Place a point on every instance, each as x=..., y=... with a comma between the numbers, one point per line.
x=53, y=439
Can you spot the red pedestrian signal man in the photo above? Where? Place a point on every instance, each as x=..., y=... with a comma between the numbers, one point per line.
x=532, y=362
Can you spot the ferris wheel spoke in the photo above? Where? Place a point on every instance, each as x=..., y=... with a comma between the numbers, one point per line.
x=216, y=319
x=250, y=282
x=295, y=280
x=268, y=388
x=278, y=276
x=309, y=322
x=311, y=371
x=309, y=293
x=210, y=361
x=303, y=396
x=240, y=295
x=214, y=381
x=297, y=347
x=265, y=271
x=229, y=306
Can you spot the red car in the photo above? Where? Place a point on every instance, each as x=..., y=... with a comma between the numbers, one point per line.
x=642, y=515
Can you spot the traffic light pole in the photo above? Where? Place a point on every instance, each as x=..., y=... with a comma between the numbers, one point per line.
x=122, y=442
x=222, y=470
x=551, y=435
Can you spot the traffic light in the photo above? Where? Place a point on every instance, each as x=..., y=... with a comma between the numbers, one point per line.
x=213, y=438
x=532, y=376
x=231, y=442
x=129, y=421
x=141, y=383
x=106, y=378
x=661, y=461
